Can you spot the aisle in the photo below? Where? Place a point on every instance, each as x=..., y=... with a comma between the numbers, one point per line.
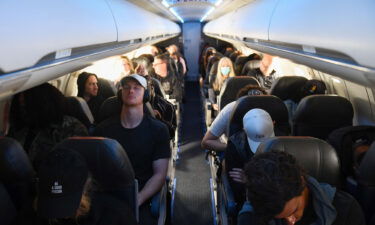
x=192, y=200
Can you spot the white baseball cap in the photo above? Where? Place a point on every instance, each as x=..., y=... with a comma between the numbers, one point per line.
x=140, y=79
x=258, y=126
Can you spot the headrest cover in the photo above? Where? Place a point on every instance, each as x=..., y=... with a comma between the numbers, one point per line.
x=316, y=156
x=271, y=104
x=15, y=165
x=288, y=87
x=106, y=159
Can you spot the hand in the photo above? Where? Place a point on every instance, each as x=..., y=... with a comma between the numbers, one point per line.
x=157, y=114
x=215, y=107
x=237, y=175
x=140, y=199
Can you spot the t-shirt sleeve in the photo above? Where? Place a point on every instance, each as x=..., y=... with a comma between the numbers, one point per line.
x=162, y=147
x=220, y=123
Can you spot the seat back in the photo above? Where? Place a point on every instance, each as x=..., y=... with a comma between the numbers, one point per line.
x=316, y=156
x=239, y=64
x=213, y=60
x=345, y=139
x=366, y=183
x=106, y=89
x=8, y=211
x=78, y=108
x=16, y=173
x=319, y=115
x=271, y=104
x=230, y=88
x=233, y=56
x=109, y=166
x=288, y=87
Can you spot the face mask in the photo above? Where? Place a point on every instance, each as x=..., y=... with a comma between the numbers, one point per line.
x=225, y=70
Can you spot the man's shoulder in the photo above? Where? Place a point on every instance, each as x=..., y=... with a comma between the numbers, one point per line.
x=110, y=122
x=155, y=124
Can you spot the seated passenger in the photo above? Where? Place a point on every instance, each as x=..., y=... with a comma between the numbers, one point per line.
x=279, y=192
x=128, y=66
x=65, y=195
x=88, y=89
x=169, y=81
x=211, y=140
x=177, y=57
x=257, y=127
x=265, y=74
x=145, y=140
x=224, y=70
x=38, y=121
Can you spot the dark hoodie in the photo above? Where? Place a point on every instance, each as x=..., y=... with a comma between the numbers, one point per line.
x=330, y=207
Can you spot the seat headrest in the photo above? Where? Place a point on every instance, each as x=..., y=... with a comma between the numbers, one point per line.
x=15, y=165
x=106, y=159
x=231, y=87
x=366, y=176
x=271, y=104
x=110, y=107
x=7, y=210
x=106, y=88
x=78, y=108
x=288, y=87
x=316, y=156
x=250, y=66
x=345, y=138
x=319, y=115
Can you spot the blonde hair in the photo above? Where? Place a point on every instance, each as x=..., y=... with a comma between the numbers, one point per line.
x=123, y=57
x=219, y=80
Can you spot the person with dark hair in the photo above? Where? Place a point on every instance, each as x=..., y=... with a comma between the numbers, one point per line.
x=167, y=77
x=66, y=197
x=211, y=139
x=279, y=192
x=88, y=89
x=242, y=145
x=38, y=121
x=145, y=140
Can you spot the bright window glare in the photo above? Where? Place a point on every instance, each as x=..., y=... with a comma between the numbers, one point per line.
x=110, y=68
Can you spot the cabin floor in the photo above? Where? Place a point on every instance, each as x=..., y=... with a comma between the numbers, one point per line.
x=192, y=198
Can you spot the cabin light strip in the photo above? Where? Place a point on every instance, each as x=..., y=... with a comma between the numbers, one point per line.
x=208, y=13
x=176, y=15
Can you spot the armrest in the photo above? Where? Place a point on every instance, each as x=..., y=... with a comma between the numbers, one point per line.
x=228, y=197
x=159, y=205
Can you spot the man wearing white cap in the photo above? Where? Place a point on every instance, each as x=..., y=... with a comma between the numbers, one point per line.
x=145, y=140
x=257, y=127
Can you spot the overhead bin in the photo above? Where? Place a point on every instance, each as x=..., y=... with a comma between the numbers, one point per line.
x=42, y=40
x=332, y=36
x=251, y=20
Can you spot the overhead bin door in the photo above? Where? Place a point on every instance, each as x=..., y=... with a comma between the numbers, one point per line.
x=345, y=27
x=136, y=23
x=31, y=30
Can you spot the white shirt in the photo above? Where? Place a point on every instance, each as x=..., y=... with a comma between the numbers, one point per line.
x=219, y=126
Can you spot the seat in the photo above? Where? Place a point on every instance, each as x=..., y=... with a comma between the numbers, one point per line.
x=16, y=174
x=239, y=64
x=233, y=56
x=106, y=89
x=366, y=183
x=157, y=87
x=288, y=87
x=109, y=166
x=78, y=108
x=319, y=115
x=112, y=106
x=230, y=88
x=271, y=104
x=8, y=211
x=250, y=66
x=213, y=60
x=316, y=156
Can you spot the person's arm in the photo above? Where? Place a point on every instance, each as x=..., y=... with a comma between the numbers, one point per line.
x=156, y=182
x=212, y=142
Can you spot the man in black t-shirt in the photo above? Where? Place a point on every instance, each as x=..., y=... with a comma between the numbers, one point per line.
x=145, y=140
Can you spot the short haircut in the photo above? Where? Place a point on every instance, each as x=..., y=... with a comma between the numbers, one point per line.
x=245, y=90
x=272, y=179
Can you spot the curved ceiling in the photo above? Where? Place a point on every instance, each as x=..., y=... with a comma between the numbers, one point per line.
x=191, y=10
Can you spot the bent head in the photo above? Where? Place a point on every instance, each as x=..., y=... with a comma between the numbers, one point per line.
x=276, y=187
